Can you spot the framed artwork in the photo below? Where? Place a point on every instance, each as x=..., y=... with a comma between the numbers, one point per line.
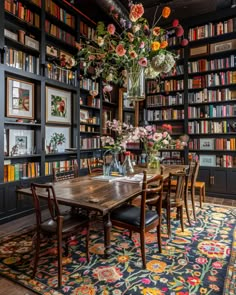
x=84, y=115
x=50, y=50
x=207, y=143
x=58, y=106
x=30, y=42
x=129, y=118
x=198, y=51
x=51, y=130
x=20, y=99
x=207, y=160
x=21, y=142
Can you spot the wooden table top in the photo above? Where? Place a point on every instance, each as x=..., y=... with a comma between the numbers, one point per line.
x=86, y=192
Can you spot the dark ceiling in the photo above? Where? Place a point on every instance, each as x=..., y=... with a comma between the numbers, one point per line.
x=181, y=9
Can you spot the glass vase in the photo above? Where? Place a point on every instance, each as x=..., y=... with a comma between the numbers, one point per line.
x=136, y=84
x=153, y=161
x=115, y=164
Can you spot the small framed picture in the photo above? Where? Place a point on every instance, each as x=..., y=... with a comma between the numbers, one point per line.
x=58, y=106
x=20, y=99
x=207, y=144
x=50, y=50
x=198, y=51
x=129, y=118
x=32, y=43
x=207, y=160
x=84, y=115
x=21, y=142
x=53, y=131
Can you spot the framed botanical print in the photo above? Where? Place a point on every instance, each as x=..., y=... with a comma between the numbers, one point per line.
x=55, y=131
x=21, y=142
x=58, y=106
x=20, y=99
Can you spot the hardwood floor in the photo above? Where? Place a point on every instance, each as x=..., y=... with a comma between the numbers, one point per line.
x=10, y=288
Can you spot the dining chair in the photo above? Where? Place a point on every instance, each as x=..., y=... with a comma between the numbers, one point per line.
x=139, y=218
x=174, y=197
x=173, y=161
x=65, y=172
x=95, y=167
x=57, y=225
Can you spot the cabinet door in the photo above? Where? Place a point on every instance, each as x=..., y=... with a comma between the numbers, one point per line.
x=219, y=180
x=231, y=181
x=204, y=175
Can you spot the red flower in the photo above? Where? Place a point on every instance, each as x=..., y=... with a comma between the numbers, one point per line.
x=61, y=106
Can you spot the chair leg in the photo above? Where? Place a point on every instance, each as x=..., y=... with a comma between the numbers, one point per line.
x=168, y=221
x=181, y=217
x=36, y=255
x=159, y=237
x=193, y=202
x=200, y=196
x=142, y=240
x=204, y=193
x=186, y=208
x=87, y=243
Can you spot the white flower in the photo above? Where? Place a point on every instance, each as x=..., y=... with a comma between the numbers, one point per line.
x=100, y=41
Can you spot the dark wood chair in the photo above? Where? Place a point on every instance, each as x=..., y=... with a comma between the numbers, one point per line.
x=139, y=218
x=58, y=225
x=65, y=172
x=95, y=167
x=173, y=161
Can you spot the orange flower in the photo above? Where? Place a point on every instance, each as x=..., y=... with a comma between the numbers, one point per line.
x=166, y=11
x=120, y=50
x=155, y=46
x=156, y=31
x=164, y=44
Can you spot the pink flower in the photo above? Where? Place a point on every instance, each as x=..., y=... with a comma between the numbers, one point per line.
x=143, y=61
x=91, y=57
x=201, y=260
x=136, y=11
x=217, y=265
x=133, y=54
x=107, y=88
x=142, y=44
x=146, y=281
x=157, y=136
x=184, y=42
x=120, y=50
x=111, y=29
x=179, y=31
x=175, y=23
x=130, y=36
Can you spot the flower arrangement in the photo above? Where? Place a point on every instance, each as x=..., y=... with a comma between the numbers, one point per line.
x=132, y=44
x=57, y=139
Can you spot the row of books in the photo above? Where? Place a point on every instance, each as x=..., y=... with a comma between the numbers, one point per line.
x=22, y=60
x=14, y=172
x=56, y=164
x=228, y=144
x=211, y=127
x=37, y=2
x=19, y=9
x=154, y=86
x=63, y=75
x=213, y=79
x=162, y=100
x=87, y=31
x=212, y=29
x=59, y=33
x=174, y=40
x=88, y=128
x=89, y=84
x=211, y=111
x=177, y=70
x=202, y=65
x=169, y=114
x=90, y=143
x=60, y=13
x=207, y=95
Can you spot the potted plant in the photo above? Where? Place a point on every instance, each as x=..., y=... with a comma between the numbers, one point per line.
x=56, y=139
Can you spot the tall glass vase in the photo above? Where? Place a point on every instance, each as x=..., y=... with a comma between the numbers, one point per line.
x=153, y=161
x=115, y=164
x=136, y=83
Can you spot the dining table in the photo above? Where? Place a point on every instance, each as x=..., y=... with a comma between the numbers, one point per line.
x=102, y=194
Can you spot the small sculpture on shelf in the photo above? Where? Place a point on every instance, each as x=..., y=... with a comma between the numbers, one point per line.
x=56, y=139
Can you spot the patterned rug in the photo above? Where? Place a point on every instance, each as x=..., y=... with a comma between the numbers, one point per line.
x=193, y=262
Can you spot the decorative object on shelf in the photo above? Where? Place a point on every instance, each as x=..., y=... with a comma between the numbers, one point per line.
x=136, y=83
x=137, y=45
x=64, y=134
x=55, y=140
x=58, y=106
x=21, y=142
x=107, y=89
x=20, y=98
x=84, y=116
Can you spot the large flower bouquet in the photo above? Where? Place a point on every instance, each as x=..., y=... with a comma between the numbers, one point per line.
x=130, y=44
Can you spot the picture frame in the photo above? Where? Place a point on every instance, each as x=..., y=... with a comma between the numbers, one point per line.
x=65, y=130
x=58, y=106
x=199, y=50
x=11, y=35
x=129, y=118
x=207, y=144
x=207, y=160
x=20, y=99
x=223, y=46
x=52, y=51
x=84, y=116
x=21, y=142
x=32, y=43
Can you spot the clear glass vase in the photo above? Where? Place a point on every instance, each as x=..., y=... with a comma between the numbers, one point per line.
x=136, y=84
x=153, y=161
x=115, y=166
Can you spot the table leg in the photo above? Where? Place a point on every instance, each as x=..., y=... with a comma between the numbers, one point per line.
x=107, y=234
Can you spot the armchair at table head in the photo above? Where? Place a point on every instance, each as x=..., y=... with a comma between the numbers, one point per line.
x=173, y=161
x=65, y=172
x=58, y=225
x=95, y=167
x=139, y=218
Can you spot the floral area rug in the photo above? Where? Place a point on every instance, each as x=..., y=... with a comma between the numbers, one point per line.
x=192, y=262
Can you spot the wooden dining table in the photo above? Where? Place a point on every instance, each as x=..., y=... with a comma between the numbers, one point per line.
x=102, y=196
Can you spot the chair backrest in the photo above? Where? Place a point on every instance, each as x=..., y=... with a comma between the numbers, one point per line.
x=195, y=173
x=172, y=161
x=152, y=190
x=65, y=172
x=190, y=175
x=178, y=190
x=95, y=167
x=53, y=207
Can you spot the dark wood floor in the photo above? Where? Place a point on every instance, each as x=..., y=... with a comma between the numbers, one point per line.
x=10, y=288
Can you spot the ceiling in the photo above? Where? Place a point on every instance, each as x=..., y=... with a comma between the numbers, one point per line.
x=181, y=9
